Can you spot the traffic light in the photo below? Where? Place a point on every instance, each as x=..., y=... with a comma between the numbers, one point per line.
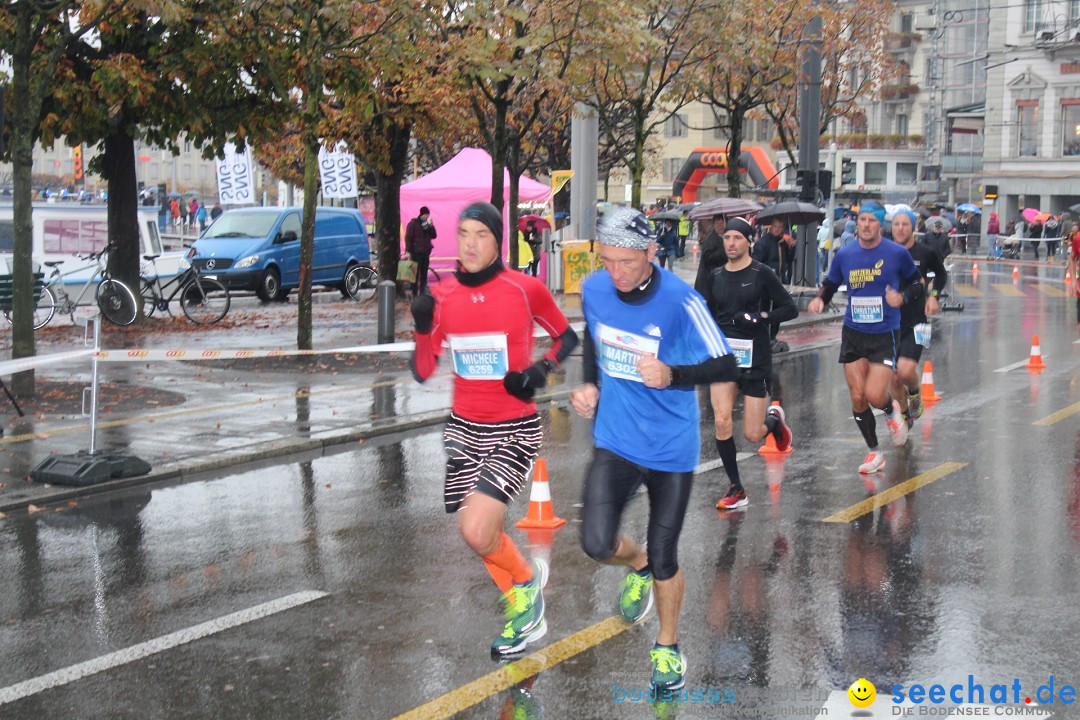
x=77, y=163
x=847, y=171
x=824, y=183
x=806, y=181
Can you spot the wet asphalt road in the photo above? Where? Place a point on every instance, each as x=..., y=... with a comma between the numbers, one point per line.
x=974, y=573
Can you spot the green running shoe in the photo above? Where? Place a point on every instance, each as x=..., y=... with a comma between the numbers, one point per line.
x=524, y=614
x=669, y=666
x=915, y=406
x=636, y=596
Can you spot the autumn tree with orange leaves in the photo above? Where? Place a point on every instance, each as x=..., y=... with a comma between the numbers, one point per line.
x=756, y=56
x=854, y=61
x=644, y=72
x=295, y=53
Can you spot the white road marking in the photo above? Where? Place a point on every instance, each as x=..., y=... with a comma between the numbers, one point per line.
x=1016, y=365
x=713, y=464
x=70, y=674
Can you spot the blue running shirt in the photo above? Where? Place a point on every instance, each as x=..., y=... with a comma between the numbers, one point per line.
x=866, y=274
x=657, y=429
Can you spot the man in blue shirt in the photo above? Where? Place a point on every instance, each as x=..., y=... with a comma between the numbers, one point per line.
x=649, y=341
x=880, y=276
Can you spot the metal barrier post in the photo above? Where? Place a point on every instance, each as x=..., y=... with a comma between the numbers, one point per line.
x=387, y=291
x=93, y=389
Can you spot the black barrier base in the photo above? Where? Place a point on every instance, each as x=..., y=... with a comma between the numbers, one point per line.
x=82, y=468
x=952, y=307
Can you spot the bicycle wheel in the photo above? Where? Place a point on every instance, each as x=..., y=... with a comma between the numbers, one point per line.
x=205, y=300
x=117, y=302
x=361, y=283
x=149, y=298
x=43, y=310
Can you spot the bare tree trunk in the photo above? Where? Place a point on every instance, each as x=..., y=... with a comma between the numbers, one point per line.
x=307, y=235
x=388, y=202
x=119, y=171
x=734, y=184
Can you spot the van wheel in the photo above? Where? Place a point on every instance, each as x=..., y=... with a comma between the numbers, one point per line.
x=269, y=285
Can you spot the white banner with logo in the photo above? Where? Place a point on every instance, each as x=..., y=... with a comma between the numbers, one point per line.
x=337, y=170
x=235, y=180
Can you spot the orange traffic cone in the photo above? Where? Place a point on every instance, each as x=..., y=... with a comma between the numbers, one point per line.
x=541, y=511
x=694, y=251
x=1068, y=274
x=1016, y=272
x=975, y=268
x=769, y=448
x=929, y=395
x=1035, y=363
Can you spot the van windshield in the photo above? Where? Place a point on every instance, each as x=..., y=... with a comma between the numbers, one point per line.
x=237, y=223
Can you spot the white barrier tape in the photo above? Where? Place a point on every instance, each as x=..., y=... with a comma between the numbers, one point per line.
x=8, y=367
x=142, y=354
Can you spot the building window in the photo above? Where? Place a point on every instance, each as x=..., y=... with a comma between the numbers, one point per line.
x=1070, y=135
x=1074, y=12
x=902, y=125
x=720, y=122
x=907, y=22
x=875, y=173
x=675, y=127
x=1033, y=15
x=672, y=166
x=1027, y=128
x=765, y=129
x=907, y=173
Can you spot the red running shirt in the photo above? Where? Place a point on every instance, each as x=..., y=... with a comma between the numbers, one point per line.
x=487, y=331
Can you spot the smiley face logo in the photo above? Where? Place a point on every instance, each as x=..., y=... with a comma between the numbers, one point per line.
x=862, y=693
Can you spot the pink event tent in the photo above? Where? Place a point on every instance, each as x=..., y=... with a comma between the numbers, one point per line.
x=446, y=192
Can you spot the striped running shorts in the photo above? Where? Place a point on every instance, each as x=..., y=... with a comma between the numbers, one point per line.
x=492, y=458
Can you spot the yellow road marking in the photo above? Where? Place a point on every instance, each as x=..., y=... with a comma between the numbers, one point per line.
x=1007, y=289
x=967, y=291
x=1059, y=415
x=507, y=676
x=1050, y=290
x=887, y=496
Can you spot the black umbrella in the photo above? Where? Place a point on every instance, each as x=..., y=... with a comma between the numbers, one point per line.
x=666, y=215
x=1075, y=208
x=796, y=213
x=724, y=206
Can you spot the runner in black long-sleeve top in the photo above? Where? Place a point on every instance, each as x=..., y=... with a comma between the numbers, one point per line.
x=736, y=294
x=914, y=329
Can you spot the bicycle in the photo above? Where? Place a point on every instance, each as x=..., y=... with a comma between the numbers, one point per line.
x=203, y=298
x=115, y=299
x=360, y=283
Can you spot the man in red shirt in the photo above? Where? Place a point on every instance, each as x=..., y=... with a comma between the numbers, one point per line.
x=485, y=315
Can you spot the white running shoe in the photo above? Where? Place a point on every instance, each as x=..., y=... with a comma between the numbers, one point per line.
x=873, y=462
x=897, y=426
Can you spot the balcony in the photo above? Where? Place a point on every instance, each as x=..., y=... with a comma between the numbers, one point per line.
x=860, y=141
x=961, y=164
x=898, y=92
x=900, y=41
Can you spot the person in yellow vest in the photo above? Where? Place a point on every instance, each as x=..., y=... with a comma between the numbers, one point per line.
x=684, y=233
x=525, y=253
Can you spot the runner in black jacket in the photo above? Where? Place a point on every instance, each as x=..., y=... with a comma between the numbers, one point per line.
x=736, y=294
x=914, y=330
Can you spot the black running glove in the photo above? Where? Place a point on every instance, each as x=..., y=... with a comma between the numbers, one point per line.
x=423, y=312
x=747, y=321
x=523, y=385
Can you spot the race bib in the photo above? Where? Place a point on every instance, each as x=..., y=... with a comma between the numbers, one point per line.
x=620, y=351
x=922, y=334
x=479, y=357
x=743, y=350
x=867, y=310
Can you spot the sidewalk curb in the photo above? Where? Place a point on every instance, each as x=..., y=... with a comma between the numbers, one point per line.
x=318, y=445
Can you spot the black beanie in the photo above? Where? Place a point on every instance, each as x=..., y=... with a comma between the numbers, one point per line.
x=486, y=213
x=740, y=226
x=424, y=211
